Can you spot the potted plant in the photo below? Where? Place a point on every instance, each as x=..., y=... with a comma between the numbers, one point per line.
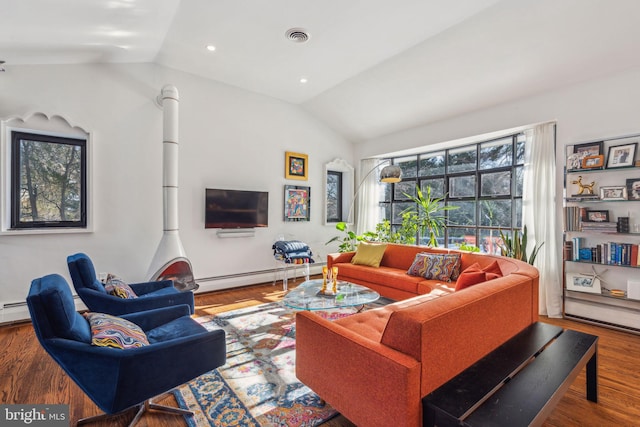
x=516, y=247
x=429, y=214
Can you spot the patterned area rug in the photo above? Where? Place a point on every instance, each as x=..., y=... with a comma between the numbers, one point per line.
x=257, y=386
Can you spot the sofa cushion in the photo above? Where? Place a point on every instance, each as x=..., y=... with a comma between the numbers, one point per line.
x=445, y=267
x=382, y=275
x=473, y=275
x=369, y=254
x=112, y=331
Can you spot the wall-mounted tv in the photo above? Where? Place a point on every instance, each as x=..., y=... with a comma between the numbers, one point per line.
x=236, y=209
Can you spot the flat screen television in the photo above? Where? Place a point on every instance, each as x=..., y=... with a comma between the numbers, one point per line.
x=236, y=209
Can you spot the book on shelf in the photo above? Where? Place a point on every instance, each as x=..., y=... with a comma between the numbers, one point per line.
x=600, y=226
x=609, y=253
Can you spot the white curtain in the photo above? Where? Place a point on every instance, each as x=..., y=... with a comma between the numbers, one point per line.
x=540, y=216
x=366, y=196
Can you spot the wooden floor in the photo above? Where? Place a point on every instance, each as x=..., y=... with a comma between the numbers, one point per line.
x=29, y=375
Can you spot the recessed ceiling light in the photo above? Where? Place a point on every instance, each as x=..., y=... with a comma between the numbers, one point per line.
x=211, y=48
x=303, y=80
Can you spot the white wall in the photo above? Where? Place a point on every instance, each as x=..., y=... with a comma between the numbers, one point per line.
x=229, y=138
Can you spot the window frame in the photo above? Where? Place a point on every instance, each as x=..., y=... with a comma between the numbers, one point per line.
x=17, y=136
x=338, y=197
x=386, y=204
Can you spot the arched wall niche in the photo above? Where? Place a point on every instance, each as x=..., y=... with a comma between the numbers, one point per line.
x=39, y=122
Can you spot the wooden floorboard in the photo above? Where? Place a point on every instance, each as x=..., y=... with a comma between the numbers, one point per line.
x=30, y=376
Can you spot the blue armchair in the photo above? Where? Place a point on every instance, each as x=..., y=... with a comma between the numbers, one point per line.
x=117, y=379
x=150, y=294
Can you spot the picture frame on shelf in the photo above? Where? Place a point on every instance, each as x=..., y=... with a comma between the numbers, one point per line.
x=614, y=192
x=296, y=166
x=621, y=156
x=593, y=162
x=597, y=216
x=297, y=203
x=583, y=283
x=633, y=189
x=575, y=160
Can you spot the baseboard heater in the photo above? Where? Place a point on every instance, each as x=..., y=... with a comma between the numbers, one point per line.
x=252, y=273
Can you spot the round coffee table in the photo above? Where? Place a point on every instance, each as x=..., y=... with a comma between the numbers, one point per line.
x=307, y=296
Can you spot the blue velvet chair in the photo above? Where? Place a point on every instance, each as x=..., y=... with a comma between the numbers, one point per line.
x=150, y=294
x=179, y=350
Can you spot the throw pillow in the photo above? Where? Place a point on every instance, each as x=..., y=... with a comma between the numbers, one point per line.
x=369, y=254
x=473, y=275
x=111, y=331
x=117, y=287
x=443, y=267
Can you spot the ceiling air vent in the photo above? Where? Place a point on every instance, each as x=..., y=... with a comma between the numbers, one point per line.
x=297, y=35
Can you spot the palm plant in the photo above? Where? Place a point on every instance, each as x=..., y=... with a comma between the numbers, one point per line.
x=429, y=214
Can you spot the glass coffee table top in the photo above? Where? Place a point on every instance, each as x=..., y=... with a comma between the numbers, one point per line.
x=307, y=296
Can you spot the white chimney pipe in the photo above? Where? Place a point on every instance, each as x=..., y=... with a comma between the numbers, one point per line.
x=170, y=246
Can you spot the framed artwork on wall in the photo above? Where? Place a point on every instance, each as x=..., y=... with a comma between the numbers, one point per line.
x=296, y=166
x=297, y=203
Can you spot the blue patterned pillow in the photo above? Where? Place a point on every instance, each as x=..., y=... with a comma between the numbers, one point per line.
x=111, y=331
x=445, y=267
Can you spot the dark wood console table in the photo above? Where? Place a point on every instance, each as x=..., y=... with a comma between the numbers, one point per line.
x=519, y=383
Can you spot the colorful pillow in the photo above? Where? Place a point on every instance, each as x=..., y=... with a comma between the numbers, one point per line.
x=369, y=254
x=473, y=275
x=111, y=331
x=445, y=267
x=117, y=287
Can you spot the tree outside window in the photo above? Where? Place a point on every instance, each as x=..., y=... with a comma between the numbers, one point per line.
x=48, y=181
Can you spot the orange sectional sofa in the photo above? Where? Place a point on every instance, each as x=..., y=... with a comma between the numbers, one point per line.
x=374, y=367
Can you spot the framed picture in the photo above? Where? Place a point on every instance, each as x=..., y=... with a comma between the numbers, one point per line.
x=593, y=162
x=597, y=216
x=618, y=192
x=621, y=155
x=296, y=166
x=583, y=283
x=575, y=159
x=633, y=188
x=297, y=203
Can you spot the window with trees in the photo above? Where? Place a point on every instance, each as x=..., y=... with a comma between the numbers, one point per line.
x=48, y=181
x=483, y=180
x=334, y=196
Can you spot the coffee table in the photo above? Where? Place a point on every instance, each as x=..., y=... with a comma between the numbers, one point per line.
x=307, y=296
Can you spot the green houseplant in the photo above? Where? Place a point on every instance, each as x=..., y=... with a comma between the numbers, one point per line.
x=516, y=247
x=429, y=214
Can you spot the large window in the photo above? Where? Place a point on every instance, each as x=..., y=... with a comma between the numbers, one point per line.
x=48, y=181
x=483, y=180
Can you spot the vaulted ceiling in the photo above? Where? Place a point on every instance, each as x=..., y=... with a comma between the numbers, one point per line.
x=372, y=67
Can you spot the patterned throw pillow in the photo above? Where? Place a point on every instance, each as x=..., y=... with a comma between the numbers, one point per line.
x=445, y=267
x=111, y=331
x=117, y=287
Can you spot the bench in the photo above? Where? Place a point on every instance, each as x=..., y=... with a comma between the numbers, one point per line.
x=519, y=383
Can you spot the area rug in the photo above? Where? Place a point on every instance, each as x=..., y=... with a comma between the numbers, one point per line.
x=257, y=386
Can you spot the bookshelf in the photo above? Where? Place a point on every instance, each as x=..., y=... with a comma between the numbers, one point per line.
x=601, y=256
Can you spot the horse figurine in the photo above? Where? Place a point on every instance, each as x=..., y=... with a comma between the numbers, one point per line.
x=584, y=187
